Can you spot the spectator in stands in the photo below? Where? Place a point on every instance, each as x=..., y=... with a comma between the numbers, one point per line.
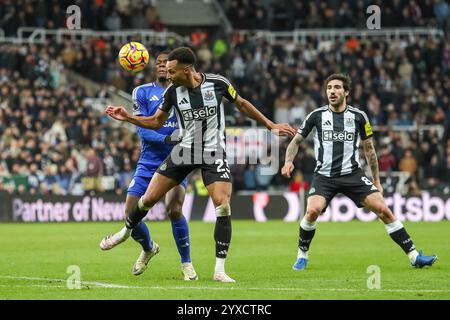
x=250, y=177
x=445, y=167
x=282, y=107
x=441, y=10
x=298, y=182
x=64, y=179
x=386, y=160
x=408, y=163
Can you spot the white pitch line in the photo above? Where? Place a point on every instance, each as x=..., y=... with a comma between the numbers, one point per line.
x=119, y=286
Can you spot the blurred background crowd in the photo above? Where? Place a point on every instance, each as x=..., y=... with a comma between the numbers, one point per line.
x=243, y=14
x=294, y=14
x=53, y=142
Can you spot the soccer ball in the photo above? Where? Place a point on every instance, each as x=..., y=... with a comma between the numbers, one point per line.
x=133, y=56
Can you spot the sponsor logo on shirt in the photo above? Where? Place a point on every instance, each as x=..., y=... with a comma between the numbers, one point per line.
x=170, y=124
x=199, y=114
x=330, y=135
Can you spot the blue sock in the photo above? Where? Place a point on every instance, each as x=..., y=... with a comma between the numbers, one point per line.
x=141, y=234
x=180, y=231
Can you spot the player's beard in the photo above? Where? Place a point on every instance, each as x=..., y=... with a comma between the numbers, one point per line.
x=337, y=103
x=161, y=79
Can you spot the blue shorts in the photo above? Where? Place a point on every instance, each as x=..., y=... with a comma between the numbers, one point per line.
x=139, y=185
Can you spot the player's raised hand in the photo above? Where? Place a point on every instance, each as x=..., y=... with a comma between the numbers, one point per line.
x=118, y=113
x=287, y=169
x=284, y=129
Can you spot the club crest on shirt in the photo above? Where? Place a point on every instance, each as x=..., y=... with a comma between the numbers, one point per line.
x=349, y=122
x=208, y=96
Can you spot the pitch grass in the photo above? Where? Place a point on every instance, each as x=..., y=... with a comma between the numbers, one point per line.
x=34, y=259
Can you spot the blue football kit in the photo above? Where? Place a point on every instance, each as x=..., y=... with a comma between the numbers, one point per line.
x=154, y=150
x=146, y=100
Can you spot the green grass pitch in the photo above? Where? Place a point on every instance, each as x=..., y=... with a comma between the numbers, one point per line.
x=34, y=259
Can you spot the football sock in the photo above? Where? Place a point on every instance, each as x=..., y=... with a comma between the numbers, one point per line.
x=220, y=265
x=137, y=213
x=222, y=236
x=180, y=232
x=398, y=233
x=412, y=256
x=141, y=234
x=307, y=231
x=123, y=233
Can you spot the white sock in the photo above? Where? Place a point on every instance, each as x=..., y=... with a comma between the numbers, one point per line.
x=394, y=226
x=302, y=254
x=220, y=265
x=412, y=256
x=124, y=233
x=308, y=226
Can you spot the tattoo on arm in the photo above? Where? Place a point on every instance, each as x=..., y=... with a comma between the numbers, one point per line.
x=292, y=149
x=371, y=157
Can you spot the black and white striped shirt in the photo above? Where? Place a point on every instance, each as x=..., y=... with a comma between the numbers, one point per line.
x=200, y=112
x=336, y=139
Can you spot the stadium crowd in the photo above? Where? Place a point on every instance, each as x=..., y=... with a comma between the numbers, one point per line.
x=51, y=139
x=53, y=142
x=280, y=15
x=243, y=14
x=97, y=15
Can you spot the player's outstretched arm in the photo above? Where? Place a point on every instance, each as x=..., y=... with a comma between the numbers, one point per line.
x=153, y=122
x=372, y=160
x=247, y=108
x=291, y=151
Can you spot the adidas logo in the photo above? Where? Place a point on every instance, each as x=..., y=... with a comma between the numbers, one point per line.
x=154, y=98
x=224, y=252
x=183, y=101
x=327, y=123
x=225, y=176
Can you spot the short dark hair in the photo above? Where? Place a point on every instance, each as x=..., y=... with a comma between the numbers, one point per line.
x=345, y=78
x=183, y=55
x=163, y=52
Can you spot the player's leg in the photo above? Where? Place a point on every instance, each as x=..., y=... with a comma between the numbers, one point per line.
x=220, y=193
x=322, y=190
x=140, y=233
x=158, y=187
x=217, y=179
x=316, y=204
x=174, y=205
x=375, y=203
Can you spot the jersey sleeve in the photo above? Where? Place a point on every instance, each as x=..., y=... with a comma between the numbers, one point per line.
x=365, y=129
x=151, y=136
x=307, y=125
x=139, y=101
x=227, y=88
x=166, y=103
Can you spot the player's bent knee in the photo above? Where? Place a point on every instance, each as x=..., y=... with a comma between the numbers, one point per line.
x=313, y=213
x=384, y=211
x=174, y=212
x=148, y=200
x=223, y=210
